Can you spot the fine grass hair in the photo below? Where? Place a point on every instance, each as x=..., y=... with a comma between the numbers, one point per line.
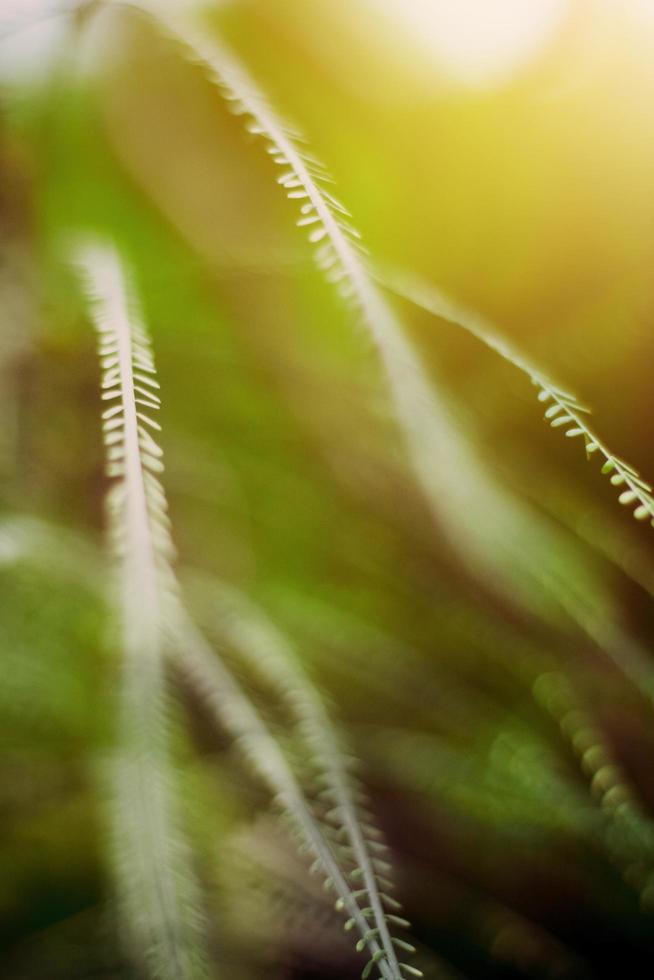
x=245, y=671
x=159, y=914
x=155, y=884
x=564, y=410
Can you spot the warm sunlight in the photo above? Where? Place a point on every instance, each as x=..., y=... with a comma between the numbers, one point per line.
x=478, y=41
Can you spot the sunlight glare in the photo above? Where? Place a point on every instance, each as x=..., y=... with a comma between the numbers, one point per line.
x=479, y=42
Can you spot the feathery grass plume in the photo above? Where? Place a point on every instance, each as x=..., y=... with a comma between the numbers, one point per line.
x=522, y=557
x=481, y=520
x=564, y=411
x=629, y=835
x=186, y=647
x=283, y=903
x=235, y=712
x=271, y=658
x=339, y=254
x=156, y=888
x=536, y=549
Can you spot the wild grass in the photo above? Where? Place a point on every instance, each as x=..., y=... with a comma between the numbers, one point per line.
x=491, y=720
x=156, y=888
x=159, y=911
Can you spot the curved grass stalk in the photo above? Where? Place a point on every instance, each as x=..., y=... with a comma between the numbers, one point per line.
x=187, y=649
x=156, y=888
x=504, y=542
x=455, y=484
x=155, y=625
x=271, y=658
x=457, y=489
x=564, y=409
x=425, y=422
x=235, y=712
x=629, y=836
x=339, y=253
x=520, y=556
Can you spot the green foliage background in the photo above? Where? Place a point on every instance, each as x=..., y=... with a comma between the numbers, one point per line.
x=531, y=200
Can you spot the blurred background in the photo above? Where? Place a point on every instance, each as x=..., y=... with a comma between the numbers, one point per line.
x=488, y=654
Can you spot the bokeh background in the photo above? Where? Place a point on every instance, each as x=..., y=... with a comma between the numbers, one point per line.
x=503, y=151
